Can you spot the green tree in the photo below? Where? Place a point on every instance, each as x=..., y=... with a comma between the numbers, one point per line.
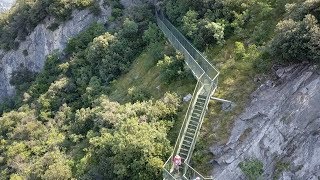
x=217, y=29
x=133, y=151
x=297, y=41
x=190, y=23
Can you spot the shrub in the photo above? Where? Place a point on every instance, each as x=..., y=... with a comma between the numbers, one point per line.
x=54, y=26
x=217, y=29
x=25, y=52
x=116, y=12
x=156, y=50
x=239, y=50
x=172, y=68
x=138, y=94
x=279, y=168
x=253, y=169
x=22, y=79
x=152, y=34
x=297, y=41
x=81, y=41
x=190, y=21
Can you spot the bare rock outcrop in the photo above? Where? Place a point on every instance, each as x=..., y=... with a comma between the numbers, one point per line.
x=282, y=124
x=5, y=5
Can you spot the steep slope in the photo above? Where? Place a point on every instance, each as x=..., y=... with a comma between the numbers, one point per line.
x=42, y=41
x=5, y=5
x=280, y=128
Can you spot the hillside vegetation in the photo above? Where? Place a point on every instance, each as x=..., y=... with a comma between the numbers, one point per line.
x=17, y=23
x=111, y=108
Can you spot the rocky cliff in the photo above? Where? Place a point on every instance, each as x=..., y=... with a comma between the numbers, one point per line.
x=5, y=5
x=33, y=51
x=280, y=125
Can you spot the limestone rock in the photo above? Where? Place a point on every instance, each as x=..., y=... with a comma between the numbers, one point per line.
x=285, y=123
x=187, y=98
x=5, y=5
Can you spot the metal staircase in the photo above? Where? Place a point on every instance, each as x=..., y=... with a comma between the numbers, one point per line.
x=207, y=80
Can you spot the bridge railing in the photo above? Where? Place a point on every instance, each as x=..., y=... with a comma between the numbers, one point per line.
x=167, y=168
x=193, y=65
x=193, y=174
x=183, y=45
x=207, y=76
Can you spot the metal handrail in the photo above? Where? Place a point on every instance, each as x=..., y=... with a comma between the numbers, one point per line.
x=167, y=162
x=187, y=117
x=184, y=50
x=197, y=52
x=200, y=176
x=192, y=58
x=200, y=124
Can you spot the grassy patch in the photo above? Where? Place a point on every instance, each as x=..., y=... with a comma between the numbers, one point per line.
x=279, y=168
x=144, y=75
x=253, y=169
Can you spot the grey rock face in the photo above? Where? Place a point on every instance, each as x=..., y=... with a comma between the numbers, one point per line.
x=5, y=5
x=42, y=42
x=284, y=126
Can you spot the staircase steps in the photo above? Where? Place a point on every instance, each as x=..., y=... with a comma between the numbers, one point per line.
x=192, y=127
x=192, y=123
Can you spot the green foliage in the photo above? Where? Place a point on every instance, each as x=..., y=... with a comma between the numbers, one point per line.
x=279, y=168
x=66, y=128
x=117, y=8
x=20, y=21
x=81, y=41
x=297, y=41
x=217, y=29
x=22, y=79
x=172, y=68
x=190, y=21
x=152, y=34
x=239, y=50
x=156, y=50
x=250, y=53
x=138, y=94
x=46, y=77
x=253, y=169
x=130, y=28
x=299, y=10
x=133, y=151
x=53, y=26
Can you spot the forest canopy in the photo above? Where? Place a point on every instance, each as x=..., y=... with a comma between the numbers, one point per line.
x=62, y=123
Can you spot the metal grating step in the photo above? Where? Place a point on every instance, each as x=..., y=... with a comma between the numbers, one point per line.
x=197, y=111
x=198, y=107
x=196, y=115
x=202, y=97
x=194, y=121
x=183, y=155
x=185, y=146
x=190, y=139
x=191, y=135
x=184, y=150
x=200, y=104
x=186, y=142
x=192, y=126
x=190, y=130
